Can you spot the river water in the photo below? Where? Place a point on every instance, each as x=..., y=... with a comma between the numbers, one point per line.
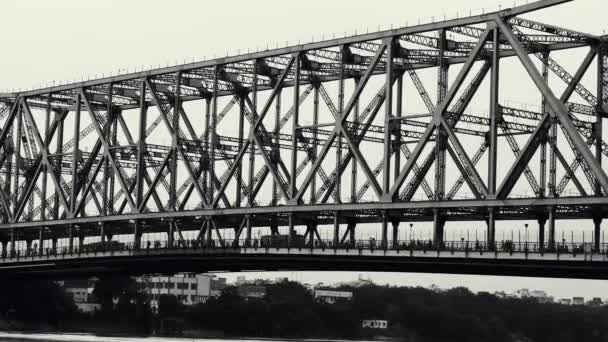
x=5, y=336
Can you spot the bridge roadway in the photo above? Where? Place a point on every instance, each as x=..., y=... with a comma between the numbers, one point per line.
x=567, y=260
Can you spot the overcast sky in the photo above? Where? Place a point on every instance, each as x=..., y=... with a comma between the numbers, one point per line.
x=63, y=40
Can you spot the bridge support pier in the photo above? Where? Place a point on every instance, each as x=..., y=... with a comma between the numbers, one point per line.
x=249, y=230
x=28, y=246
x=438, y=228
x=41, y=241
x=54, y=244
x=80, y=242
x=597, y=231
x=395, y=233
x=4, y=248
x=384, y=243
x=291, y=233
x=70, y=239
x=551, y=220
x=170, y=234
x=491, y=229
x=102, y=235
x=541, y=233
x=136, y=236
x=351, y=231
x=12, y=246
x=336, y=230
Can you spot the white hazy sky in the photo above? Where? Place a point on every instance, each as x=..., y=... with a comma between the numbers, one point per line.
x=64, y=40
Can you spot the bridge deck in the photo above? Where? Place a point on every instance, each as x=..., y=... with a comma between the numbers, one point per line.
x=463, y=258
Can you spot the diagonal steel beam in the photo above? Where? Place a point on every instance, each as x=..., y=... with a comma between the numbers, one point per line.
x=556, y=106
x=107, y=153
x=349, y=107
x=437, y=115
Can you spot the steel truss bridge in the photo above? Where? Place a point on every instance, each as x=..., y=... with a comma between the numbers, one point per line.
x=315, y=135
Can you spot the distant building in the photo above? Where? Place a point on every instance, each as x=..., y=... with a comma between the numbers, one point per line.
x=541, y=296
x=565, y=301
x=332, y=297
x=81, y=291
x=522, y=293
x=252, y=291
x=374, y=324
x=189, y=288
x=595, y=302
x=240, y=280
x=578, y=301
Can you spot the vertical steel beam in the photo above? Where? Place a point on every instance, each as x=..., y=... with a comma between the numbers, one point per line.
x=315, y=136
x=296, y=120
x=494, y=114
x=113, y=142
x=254, y=105
x=141, y=148
x=106, y=165
x=46, y=140
x=76, y=155
x=599, y=131
x=338, y=188
x=59, y=116
x=207, y=142
x=18, y=160
x=441, y=137
x=212, y=177
x=543, y=146
x=174, y=143
x=388, y=115
x=397, y=126
x=276, y=150
x=239, y=170
x=353, y=176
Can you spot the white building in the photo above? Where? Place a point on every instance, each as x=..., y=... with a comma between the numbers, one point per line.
x=189, y=288
x=252, y=291
x=81, y=291
x=331, y=297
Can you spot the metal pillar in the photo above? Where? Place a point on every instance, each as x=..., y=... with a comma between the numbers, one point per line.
x=249, y=219
x=551, y=219
x=336, y=230
x=292, y=232
x=597, y=231
x=541, y=233
x=4, y=248
x=170, y=235
x=70, y=239
x=491, y=229
x=136, y=235
x=351, y=233
x=384, y=243
x=395, y=234
x=41, y=240
x=438, y=228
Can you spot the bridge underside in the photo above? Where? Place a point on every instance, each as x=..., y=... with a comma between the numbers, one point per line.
x=375, y=128
x=532, y=264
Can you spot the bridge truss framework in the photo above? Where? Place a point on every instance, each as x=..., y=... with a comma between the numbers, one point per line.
x=300, y=171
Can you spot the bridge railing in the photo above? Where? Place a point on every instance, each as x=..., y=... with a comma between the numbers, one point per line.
x=264, y=245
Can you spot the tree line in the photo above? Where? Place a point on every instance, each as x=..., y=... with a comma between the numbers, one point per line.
x=289, y=310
